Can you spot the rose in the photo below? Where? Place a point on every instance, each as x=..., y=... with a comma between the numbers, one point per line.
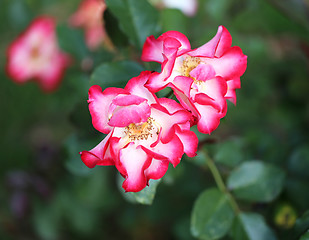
x=35, y=55
x=201, y=78
x=145, y=133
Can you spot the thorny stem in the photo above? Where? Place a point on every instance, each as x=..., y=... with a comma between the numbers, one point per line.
x=221, y=185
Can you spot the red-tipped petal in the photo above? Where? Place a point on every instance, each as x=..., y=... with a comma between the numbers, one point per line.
x=137, y=87
x=209, y=118
x=99, y=155
x=157, y=169
x=209, y=48
x=189, y=141
x=224, y=43
x=152, y=50
x=130, y=114
x=99, y=103
x=232, y=64
x=135, y=161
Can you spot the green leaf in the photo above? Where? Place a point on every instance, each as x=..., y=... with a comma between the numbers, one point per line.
x=146, y=196
x=298, y=191
x=299, y=162
x=305, y=236
x=119, y=39
x=302, y=224
x=72, y=41
x=230, y=153
x=256, y=181
x=212, y=215
x=137, y=19
x=251, y=226
x=115, y=74
x=173, y=19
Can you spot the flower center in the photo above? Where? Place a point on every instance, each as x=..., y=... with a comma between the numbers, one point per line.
x=35, y=52
x=188, y=65
x=140, y=131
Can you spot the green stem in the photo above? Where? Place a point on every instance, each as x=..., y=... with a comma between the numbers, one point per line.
x=221, y=185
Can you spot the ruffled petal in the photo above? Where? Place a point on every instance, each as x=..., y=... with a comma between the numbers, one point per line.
x=123, y=116
x=203, y=72
x=167, y=120
x=172, y=150
x=182, y=88
x=231, y=65
x=152, y=50
x=157, y=169
x=215, y=89
x=99, y=155
x=224, y=43
x=184, y=44
x=209, y=48
x=189, y=141
x=136, y=86
x=134, y=160
x=170, y=105
x=209, y=118
x=155, y=49
x=158, y=81
x=232, y=85
x=99, y=103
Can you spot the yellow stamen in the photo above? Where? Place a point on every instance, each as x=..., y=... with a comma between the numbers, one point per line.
x=188, y=65
x=35, y=52
x=140, y=131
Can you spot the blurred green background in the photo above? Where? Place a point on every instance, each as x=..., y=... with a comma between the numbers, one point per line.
x=47, y=193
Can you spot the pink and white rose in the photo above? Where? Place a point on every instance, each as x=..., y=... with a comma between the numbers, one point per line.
x=35, y=55
x=202, y=78
x=89, y=16
x=144, y=133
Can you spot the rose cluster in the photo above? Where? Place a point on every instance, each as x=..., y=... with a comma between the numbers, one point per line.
x=146, y=133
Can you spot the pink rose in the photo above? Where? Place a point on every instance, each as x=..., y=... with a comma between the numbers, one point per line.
x=35, y=55
x=202, y=78
x=145, y=133
x=89, y=16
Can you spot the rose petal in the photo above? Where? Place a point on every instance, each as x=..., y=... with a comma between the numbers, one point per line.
x=209, y=118
x=99, y=103
x=99, y=155
x=189, y=141
x=209, y=48
x=152, y=50
x=231, y=65
x=172, y=150
x=157, y=169
x=224, y=43
x=136, y=87
x=123, y=116
x=203, y=72
x=167, y=120
x=158, y=81
x=134, y=161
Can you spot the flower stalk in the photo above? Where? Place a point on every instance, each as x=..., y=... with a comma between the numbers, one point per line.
x=220, y=183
